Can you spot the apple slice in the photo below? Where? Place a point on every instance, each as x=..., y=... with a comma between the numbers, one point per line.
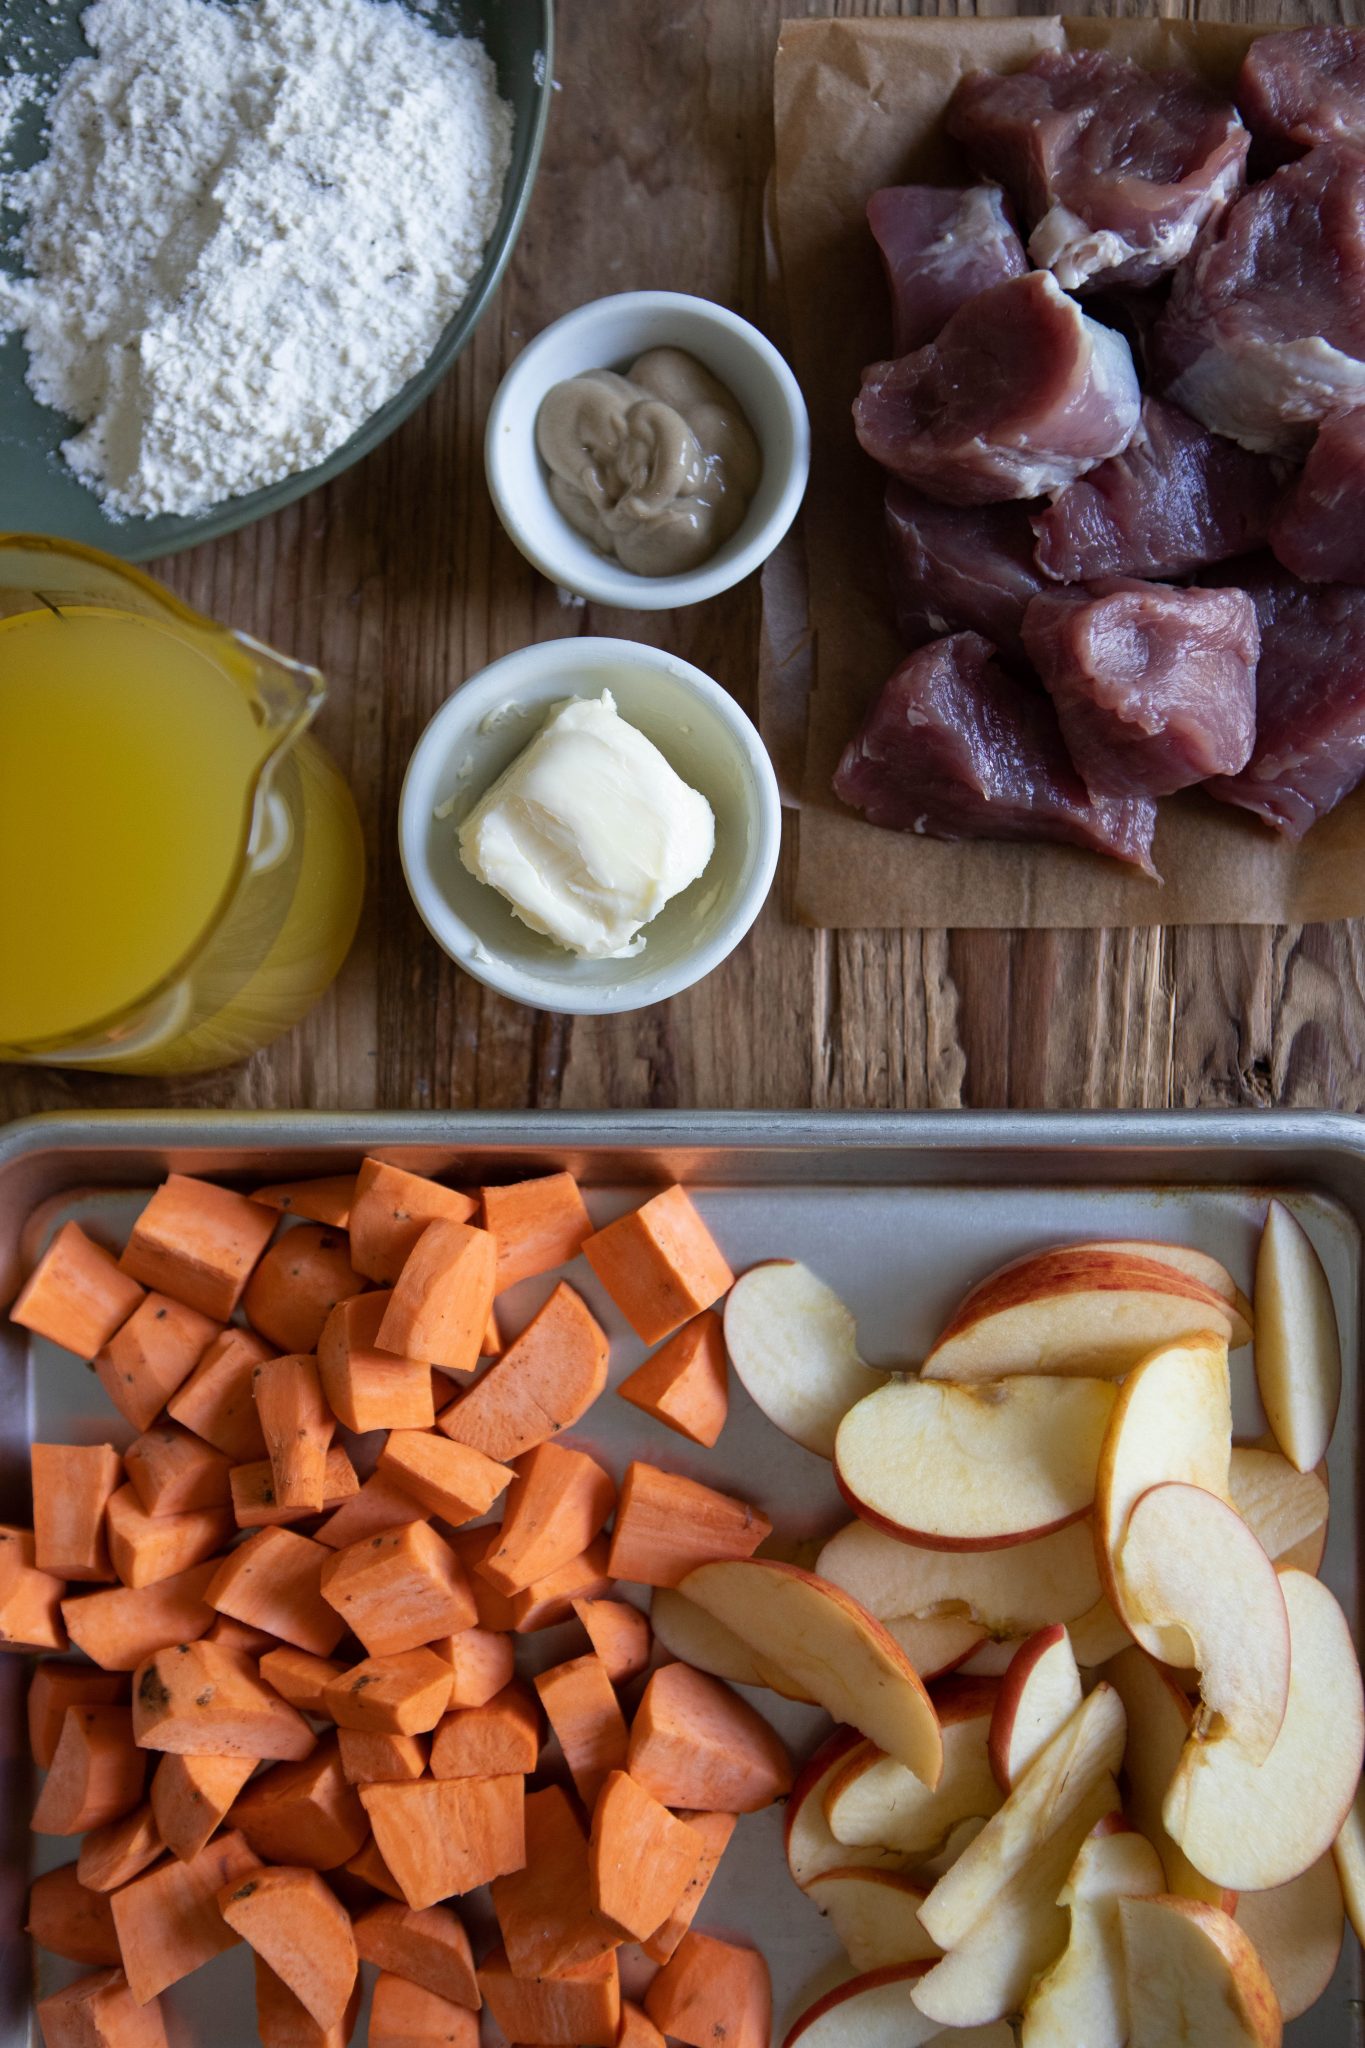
x=1083, y=1309
x=1038, y=1695
x=1083, y=1997
x=974, y=1467
x=1010, y=1592
x=1097, y=1635
x=794, y=1345
x=1249, y=1825
x=937, y=1646
x=810, y=1847
x=875, y=2011
x=824, y=1643
x=872, y=1798
x=1057, y=1786
x=1188, y=1561
x=875, y=1914
x=1285, y=1510
x=1348, y=1853
x=1297, y=1932
x=1160, y=1718
x=1200, y=1266
x=1298, y=1345
x=1172, y=1420
x=992, y=1660
x=694, y=1637
x=930, y=1869
x=1193, y=1975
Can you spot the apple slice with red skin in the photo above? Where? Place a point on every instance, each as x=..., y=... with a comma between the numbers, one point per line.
x=1083, y=1997
x=1172, y=1421
x=1010, y=1592
x=1076, y=1309
x=975, y=1467
x=1297, y=1932
x=1298, y=1344
x=1097, y=1635
x=875, y=1914
x=810, y=1847
x=872, y=1798
x=694, y=1637
x=1187, y=1560
x=1285, y=1510
x=1038, y=1695
x=1200, y=1266
x=1057, y=1787
x=1348, y=1853
x=1160, y=1718
x=824, y=1643
x=1193, y=1975
x=938, y=1646
x=874, y=2010
x=1253, y=1825
x=794, y=1346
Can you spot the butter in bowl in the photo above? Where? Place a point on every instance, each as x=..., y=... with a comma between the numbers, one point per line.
x=589, y=825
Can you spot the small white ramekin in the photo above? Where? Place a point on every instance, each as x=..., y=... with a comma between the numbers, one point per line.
x=608, y=334
x=697, y=726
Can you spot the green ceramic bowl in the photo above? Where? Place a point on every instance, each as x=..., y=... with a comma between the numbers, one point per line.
x=39, y=494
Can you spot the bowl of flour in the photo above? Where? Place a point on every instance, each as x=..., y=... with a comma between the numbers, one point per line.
x=240, y=240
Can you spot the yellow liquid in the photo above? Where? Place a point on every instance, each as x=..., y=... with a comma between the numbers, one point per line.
x=129, y=755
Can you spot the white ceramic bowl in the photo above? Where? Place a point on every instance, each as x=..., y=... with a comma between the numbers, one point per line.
x=693, y=722
x=607, y=335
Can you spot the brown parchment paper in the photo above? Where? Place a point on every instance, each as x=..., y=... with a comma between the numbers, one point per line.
x=859, y=104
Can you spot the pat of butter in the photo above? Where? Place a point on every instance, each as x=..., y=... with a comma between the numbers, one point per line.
x=589, y=832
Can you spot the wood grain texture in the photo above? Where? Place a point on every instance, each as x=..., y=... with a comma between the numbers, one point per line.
x=399, y=583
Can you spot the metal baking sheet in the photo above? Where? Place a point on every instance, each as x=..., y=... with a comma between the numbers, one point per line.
x=899, y=1213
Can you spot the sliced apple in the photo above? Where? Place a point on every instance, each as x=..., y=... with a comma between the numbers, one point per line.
x=1348, y=1853
x=1097, y=1635
x=1159, y=1721
x=1251, y=1826
x=992, y=1660
x=974, y=1467
x=1038, y=1695
x=875, y=1914
x=1187, y=1561
x=794, y=1345
x=1010, y=1592
x=938, y=1646
x=1285, y=1509
x=688, y=1633
x=1172, y=1420
x=1193, y=1975
x=1297, y=1932
x=1298, y=1345
x=1200, y=1266
x=1083, y=1997
x=810, y=1847
x=821, y=1641
x=874, y=2010
x=1082, y=1309
x=873, y=1798
x=1057, y=1786
x=931, y=1868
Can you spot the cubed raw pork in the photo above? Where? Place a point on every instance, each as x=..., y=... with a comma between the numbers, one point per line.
x=1310, y=702
x=1019, y=394
x=940, y=246
x=1154, y=686
x=1177, y=498
x=1265, y=331
x=960, y=569
x=1319, y=530
x=1305, y=86
x=1114, y=168
x=958, y=748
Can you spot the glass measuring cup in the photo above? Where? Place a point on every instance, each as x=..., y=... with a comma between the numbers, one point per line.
x=181, y=865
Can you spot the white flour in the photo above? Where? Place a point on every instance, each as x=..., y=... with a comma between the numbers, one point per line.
x=251, y=226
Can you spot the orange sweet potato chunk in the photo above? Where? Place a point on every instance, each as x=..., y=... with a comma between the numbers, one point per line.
x=399, y=1590
x=581, y=1707
x=72, y=1487
x=665, y=1525
x=441, y=1838
x=491, y=1741
x=713, y=1831
x=76, y=1295
x=297, y=1283
x=545, y=1381
x=300, y=1677
x=713, y=1991
x=325, y=1200
x=442, y=1299
x=581, y=2005
x=274, y=1581
x=559, y=1500
x=69, y=1920
x=641, y=1859
x=30, y=1601
x=482, y=1662
x=55, y=1687
x=168, y=1920
x=149, y=1358
x=367, y=1388
x=114, y=1854
x=694, y=1743
x=147, y=1549
x=252, y=1486
x=192, y=1796
x=283, y=2021
x=374, y=1756
x=304, y=1813
x=660, y=1264
x=429, y=1948
x=545, y=1910
x=297, y=1924
x=298, y=1426
x=539, y=1224
x=217, y=1401
x=390, y=1210
x=99, y=2012
x=620, y=1635
x=96, y=1775
x=685, y=1384
x=198, y=1243
x=404, y=2015
x=449, y=1479
x=402, y=1694
x=199, y=1699
x=119, y=1627
x=173, y=1471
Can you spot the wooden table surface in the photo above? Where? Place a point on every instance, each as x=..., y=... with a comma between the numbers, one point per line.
x=399, y=583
